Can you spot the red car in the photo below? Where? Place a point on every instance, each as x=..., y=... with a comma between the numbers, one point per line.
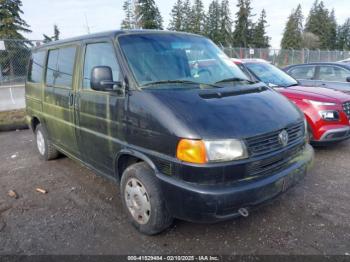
x=327, y=111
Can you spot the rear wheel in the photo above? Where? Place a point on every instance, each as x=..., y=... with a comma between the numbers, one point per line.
x=45, y=148
x=142, y=199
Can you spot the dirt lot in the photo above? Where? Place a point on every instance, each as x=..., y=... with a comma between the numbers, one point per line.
x=82, y=214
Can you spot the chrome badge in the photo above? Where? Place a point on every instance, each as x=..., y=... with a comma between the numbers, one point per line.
x=283, y=138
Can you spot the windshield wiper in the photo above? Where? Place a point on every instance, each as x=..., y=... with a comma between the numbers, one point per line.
x=188, y=82
x=235, y=79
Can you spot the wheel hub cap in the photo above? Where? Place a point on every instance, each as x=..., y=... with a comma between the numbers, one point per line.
x=40, y=142
x=137, y=201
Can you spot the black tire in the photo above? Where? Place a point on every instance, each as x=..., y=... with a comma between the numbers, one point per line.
x=159, y=218
x=49, y=152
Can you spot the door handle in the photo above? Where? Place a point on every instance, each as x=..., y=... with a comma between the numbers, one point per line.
x=71, y=99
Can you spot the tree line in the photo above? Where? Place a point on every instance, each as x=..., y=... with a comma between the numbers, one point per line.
x=320, y=31
x=190, y=16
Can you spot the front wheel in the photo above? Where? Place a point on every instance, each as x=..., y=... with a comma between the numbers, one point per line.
x=143, y=201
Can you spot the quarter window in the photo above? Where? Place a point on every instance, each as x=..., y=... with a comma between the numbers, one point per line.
x=333, y=73
x=303, y=72
x=60, y=67
x=36, y=67
x=99, y=54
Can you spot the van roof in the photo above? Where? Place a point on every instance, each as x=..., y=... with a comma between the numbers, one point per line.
x=110, y=34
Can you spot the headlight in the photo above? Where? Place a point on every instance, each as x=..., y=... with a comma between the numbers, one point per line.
x=319, y=103
x=203, y=151
x=329, y=115
x=225, y=150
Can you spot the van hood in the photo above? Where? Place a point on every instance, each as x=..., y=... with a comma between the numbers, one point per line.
x=315, y=93
x=220, y=113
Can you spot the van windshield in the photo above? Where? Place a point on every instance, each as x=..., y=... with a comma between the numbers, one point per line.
x=159, y=58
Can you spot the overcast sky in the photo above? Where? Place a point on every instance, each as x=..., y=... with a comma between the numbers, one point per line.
x=73, y=17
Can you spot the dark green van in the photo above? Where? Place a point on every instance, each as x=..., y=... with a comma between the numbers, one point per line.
x=170, y=117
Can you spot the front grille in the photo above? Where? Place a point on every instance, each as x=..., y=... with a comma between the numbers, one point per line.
x=269, y=143
x=272, y=165
x=346, y=108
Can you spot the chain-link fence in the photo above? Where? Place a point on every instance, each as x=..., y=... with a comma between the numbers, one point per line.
x=284, y=57
x=14, y=58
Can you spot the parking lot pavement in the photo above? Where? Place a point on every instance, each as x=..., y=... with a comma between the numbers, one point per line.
x=82, y=213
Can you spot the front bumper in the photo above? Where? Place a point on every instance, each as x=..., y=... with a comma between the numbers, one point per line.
x=212, y=203
x=335, y=134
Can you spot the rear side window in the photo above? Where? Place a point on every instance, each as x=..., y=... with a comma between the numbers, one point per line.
x=333, y=73
x=99, y=54
x=60, y=67
x=36, y=67
x=303, y=72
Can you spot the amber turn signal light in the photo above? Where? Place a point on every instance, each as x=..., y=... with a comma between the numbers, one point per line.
x=192, y=151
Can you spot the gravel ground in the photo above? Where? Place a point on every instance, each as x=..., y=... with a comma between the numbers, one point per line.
x=82, y=212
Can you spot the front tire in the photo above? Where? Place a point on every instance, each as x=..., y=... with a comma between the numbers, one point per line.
x=45, y=148
x=143, y=201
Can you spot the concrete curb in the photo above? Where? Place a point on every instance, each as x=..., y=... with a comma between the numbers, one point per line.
x=13, y=127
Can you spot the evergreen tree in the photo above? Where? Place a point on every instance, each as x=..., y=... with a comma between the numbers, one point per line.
x=11, y=24
x=197, y=17
x=226, y=23
x=343, y=36
x=242, y=35
x=56, y=33
x=332, y=38
x=11, y=27
x=187, y=16
x=47, y=39
x=177, y=17
x=212, y=28
x=55, y=37
x=129, y=20
x=321, y=23
x=292, y=36
x=260, y=39
x=148, y=15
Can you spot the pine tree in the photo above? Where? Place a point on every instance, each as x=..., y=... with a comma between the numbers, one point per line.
x=260, y=39
x=177, y=17
x=226, y=23
x=321, y=23
x=148, y=15
x=129, y=20
x=55, y=37
x=242, y=35
x=343, y=36
x=292, y=36
x=212, y=28
x=197, y=17
x=11, y=23
x=332, y=38
x=56, y=33
x=11, y=27
x=187, y=16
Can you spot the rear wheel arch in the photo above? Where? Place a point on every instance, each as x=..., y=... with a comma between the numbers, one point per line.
x=35, y=121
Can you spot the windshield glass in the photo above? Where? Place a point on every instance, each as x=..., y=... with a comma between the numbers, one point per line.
x=170, y=57
x=270, y=74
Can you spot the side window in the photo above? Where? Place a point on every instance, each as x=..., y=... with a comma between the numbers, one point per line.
x=303, y=72
x=99, y=54
x=60, y=67
x=36, y=67
x=333, y=73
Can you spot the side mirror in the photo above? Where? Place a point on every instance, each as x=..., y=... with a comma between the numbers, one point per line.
x=348, y=79
x=102, y=79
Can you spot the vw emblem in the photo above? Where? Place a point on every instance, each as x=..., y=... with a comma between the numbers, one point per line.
x=283, y=138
